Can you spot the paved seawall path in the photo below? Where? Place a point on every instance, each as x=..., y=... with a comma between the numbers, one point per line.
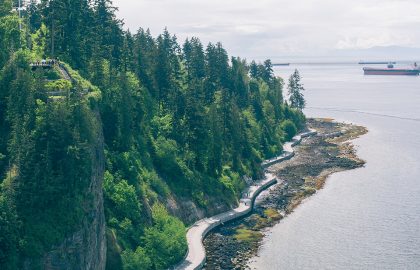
x=196, y=256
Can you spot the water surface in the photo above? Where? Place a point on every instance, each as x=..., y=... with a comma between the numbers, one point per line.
x=368, y=218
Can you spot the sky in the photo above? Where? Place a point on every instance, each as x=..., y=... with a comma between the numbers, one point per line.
x=285, y=29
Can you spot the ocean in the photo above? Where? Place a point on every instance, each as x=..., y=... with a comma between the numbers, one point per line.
x=368, y=218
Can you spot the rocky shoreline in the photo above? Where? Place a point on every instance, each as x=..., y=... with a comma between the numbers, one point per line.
x=232, y=245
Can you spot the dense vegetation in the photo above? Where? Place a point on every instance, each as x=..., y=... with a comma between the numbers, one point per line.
x=180, y=122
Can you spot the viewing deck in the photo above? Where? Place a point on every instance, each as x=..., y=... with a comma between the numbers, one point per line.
x=44, y=64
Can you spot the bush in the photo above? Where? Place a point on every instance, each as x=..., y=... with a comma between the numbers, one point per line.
x=165, y=241
x=122, y=197
x=135, y=260
x=58, y=85
x=289, y=128
x=157, y=184
x=52, y=75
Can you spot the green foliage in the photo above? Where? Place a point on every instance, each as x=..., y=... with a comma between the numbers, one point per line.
x=9, y=228
x=122, y=197
x=165, y=241
x=51, y=74
x=9, y=37
x=134, y=260
x=245, y=235
x=289, y=128
x=58, y=85
x=156, y=183
x=295, y=91
x=39, y=42
x=232, y=182
x=48, y=148
x=179, y=123
x=80, y=81
x=5, y=7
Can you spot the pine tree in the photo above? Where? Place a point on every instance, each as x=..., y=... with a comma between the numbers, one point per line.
x=194, y=59
x=177, y=124
x=295, y=87
x=9, y=32
x=240, y=81
x=253, y=70
x=144, y=53
x=268, y=71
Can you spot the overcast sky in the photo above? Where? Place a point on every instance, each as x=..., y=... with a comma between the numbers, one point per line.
x=269, y=28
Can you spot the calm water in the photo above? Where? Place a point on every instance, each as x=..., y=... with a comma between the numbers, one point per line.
x=367, y=218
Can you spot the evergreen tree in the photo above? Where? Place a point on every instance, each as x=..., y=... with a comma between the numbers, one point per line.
x=194, y=59
x=34, y=15
x=178, y=124
x=240, y=81
x=295, y=87
x=253, y=70
x=9, y=32
x=144, y=53
x=267, y=71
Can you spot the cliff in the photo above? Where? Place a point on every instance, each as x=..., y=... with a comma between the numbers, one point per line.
x=86, y=248
x=51, y=198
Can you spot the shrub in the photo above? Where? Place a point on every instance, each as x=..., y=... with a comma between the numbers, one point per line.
x=165, y=241
x=135, y=260
x=289, y=128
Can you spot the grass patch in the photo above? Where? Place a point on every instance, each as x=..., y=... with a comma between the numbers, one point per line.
x=245, y=235
x=272, y=214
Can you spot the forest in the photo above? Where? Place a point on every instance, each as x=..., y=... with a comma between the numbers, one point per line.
x=175, y=121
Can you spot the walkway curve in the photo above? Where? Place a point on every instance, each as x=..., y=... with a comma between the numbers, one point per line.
x=196, y=256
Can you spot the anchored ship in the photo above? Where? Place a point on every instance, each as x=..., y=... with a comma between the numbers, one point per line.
x=390, y=70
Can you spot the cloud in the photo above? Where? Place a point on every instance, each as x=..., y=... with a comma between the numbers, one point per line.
x=280, y=27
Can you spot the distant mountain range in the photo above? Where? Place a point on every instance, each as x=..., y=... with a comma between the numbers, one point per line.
x=379, y=53
x=384, y=53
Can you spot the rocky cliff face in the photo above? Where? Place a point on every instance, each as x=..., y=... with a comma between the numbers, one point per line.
x=86, y=248
x=189, y=212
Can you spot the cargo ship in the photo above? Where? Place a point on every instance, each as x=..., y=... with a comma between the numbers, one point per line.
x=390, y=70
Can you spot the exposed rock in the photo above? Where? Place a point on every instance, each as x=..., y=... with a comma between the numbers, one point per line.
x=315, y=160
x=189, y=212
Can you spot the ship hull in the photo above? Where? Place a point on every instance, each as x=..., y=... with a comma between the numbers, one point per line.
x=396, y=72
